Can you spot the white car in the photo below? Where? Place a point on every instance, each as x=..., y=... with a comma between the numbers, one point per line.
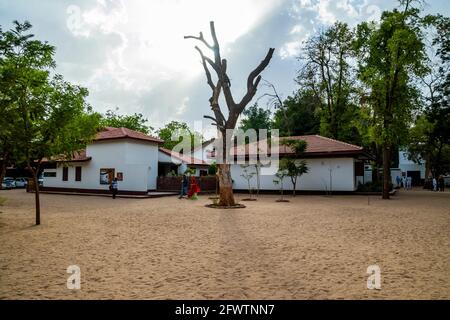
x=8, y=183
x=21, y=182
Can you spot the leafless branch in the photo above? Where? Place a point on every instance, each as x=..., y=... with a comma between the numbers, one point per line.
x=200, y=38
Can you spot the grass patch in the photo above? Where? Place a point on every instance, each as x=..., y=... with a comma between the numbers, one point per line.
x=2, y=201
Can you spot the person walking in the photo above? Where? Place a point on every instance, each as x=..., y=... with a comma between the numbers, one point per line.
x=398, y=180
x=184, y=186
x=441, y=182
x=404, y=182
x=114, y=187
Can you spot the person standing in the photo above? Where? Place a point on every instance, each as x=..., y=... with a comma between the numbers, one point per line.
x=184, y=186
x=409, y=183
x=434, y=184
x=114, y=187
x=398, y=180
x=441, y=183
x=404, y=182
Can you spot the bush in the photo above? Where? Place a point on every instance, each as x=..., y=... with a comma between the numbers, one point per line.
x=373, y=187
x=212, y=169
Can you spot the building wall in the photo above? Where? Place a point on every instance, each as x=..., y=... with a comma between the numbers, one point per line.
x=407, y=165
x=317, y=179
x=138, y=161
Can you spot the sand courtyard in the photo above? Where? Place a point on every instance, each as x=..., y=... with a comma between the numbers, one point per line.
x=313, y=247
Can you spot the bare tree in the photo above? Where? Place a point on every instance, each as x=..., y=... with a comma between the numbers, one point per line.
x=222, y=84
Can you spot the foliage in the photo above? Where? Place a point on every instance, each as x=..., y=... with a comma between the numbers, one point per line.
x=389, y=56
x=280, y=175
x=212, y=169
x=190, y=171
x=183, y=136
x=293, y=167
x=50, y=116
x=298, y=115
x=327, y=76
x=256, y=118
x=135, y=122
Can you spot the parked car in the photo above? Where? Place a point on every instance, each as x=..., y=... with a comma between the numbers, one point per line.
x=41, y=180
x=21, y=182
x=8, y=183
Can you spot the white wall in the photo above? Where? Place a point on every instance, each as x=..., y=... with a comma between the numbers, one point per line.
x=407, y=165
x=138, y=161
x=317, y=179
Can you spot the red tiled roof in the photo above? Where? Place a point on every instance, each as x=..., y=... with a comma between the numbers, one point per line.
x=121, y=133
x=183, y=158
x=77, y=156
x=316, y=145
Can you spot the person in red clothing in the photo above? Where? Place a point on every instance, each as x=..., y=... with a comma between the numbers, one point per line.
x=193, y=189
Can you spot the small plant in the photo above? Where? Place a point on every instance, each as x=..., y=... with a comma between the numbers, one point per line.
x=190, y=171
x=280, y=175
x=248, y=176
x=212, y=169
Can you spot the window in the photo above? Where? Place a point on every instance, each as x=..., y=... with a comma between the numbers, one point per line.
x=65, y=174
x=50, y=174
x=77, y=173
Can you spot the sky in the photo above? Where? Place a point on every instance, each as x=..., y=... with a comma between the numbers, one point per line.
x=131, y=55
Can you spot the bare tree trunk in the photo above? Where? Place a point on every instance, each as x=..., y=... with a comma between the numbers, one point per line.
x=226, y=197
x=386, y=171
x=223, y=84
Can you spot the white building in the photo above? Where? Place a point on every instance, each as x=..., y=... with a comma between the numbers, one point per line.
x=410, y=168
x=137, y=160
x=131, y=156
x=332, y=166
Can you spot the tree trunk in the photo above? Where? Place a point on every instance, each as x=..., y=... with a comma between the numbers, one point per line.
x=226, y=197
x=36, y=197
x=2, y=172
x=386, y=171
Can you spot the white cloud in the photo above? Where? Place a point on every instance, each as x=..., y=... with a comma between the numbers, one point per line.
x=182, y=108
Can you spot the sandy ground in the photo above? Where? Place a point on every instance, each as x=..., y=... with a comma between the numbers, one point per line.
x=314, y=247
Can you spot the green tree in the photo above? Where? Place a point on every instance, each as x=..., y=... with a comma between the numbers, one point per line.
x=327, y=77
x=256, y=118
x=280, y=175
x=430, y=136
x=248, y=176
x=182, y=134
x=389, y=55
x=292, y=166
x=298, y=115
x=135, y=122
x=51, y=116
